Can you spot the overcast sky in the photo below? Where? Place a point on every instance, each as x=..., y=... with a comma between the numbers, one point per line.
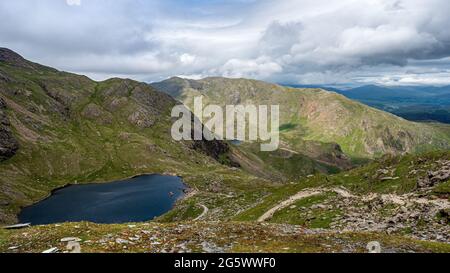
x=285, y=41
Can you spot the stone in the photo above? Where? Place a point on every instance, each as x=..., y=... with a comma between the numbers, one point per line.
x=211, y=248
x=18, y=226
x=122, y=241
x=388, y=178
x=70, y=239
x=51, y=250
x=73, y=247
x=404, y=209
x=382, y=171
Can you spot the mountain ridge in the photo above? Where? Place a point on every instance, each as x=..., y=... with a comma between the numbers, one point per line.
x=414, y=103
x=58, y=128
x=325, y=116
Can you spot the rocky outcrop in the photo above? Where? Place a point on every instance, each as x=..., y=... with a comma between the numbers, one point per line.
x=153, y=101
x=4, y=78
x=8, y=144
x=142, y=118
x=215, y=149
x=12, y=58
x=94, y=112
x=61, y=99
x=434, y=178
x=139, y=103
x=219, y=150
x=333, y=156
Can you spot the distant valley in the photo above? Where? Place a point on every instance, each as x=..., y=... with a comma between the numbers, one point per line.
x=415, y=103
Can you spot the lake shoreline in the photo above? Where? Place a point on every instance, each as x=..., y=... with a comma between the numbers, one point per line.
x=186, y=191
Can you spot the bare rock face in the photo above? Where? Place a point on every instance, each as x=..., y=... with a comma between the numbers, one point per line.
x=434, y=178
x=94, y=112
x=152, y=100
x=212, y=148
x=4, y=78
x=8, y=144
x=142, y=118
x=219, y=150
x=12, y=58
x=335, y=156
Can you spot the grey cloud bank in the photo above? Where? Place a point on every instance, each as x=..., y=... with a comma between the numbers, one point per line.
x=304, y=41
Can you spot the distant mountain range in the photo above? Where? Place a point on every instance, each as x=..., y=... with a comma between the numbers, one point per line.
x=416, y=103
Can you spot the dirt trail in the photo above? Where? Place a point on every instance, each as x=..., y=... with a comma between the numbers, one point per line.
x=205, y=211
x=287, y=203
x=392, y=198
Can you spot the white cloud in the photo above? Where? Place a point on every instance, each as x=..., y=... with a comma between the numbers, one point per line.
x=442, y=78
x=295, y=41
x=73, y=2
x=187, y=59
x=258, y=68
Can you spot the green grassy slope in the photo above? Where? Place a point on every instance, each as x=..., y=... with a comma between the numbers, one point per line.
x=310, y=117
x=71, y=129
x=369, y=179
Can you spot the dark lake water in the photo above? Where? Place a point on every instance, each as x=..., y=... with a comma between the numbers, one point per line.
x=133, y=200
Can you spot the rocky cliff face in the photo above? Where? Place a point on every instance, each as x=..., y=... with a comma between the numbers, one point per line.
x=8, y=144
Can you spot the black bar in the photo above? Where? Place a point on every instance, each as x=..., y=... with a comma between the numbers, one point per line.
x=162, y=263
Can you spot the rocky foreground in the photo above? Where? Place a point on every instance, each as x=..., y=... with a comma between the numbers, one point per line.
x=204, y=237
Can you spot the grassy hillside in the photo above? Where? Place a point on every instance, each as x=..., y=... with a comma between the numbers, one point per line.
x=407, y=195
x=314, y=116
x=70, y=129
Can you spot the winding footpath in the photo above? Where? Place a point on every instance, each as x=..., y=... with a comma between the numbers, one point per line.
x=205, y=211
x=303, y=194
x=393, y=198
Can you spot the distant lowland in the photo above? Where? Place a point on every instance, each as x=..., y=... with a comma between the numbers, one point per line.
x=415, y=103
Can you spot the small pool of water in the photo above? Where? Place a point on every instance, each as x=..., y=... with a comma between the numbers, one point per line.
x=236, y=142
x=137, y=199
